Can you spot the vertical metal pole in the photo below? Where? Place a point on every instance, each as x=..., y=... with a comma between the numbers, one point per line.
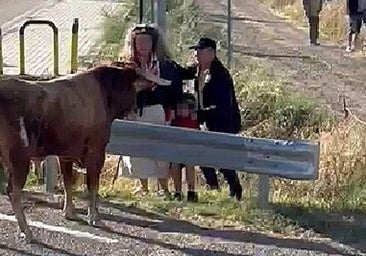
x=141, y=10
x=55, y=53
x=161, y=17
x=21, y=53
x=152, y=11
x=74, y=46
x=229, y=31
x=156, y=11
x=1, y=53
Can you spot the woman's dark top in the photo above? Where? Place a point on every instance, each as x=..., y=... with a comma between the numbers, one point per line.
x=219, y=92
x=168, y=96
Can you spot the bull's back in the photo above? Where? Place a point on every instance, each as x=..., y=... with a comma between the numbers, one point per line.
x=58, y=115
x=18, y=96
x=78, y=101
x=74, y=113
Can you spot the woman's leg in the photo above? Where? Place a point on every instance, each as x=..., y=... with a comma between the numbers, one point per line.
x=176, y=173
x=142, y=187
x=163, y=183
x=232, y=179
x=191, y=183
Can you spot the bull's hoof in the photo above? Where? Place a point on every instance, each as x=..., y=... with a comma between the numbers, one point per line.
x=96, y=223
x=70, y=215
x=27, y=236
x=69, y=211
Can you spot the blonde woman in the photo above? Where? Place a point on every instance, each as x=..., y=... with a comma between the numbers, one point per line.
x=144, y=44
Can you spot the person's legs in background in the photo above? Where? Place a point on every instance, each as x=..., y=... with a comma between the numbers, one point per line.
x=164, y=187
x=314, y=29
x=191, y=183
x=355, y=23
x=176, y=173
x=210, y=176
x=142, y=188
x=230, y=176
x=232, y=179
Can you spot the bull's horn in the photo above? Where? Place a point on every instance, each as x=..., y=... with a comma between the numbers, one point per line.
x=153, y=78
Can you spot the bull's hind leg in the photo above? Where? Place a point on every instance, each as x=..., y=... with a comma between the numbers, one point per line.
x=69, y=209
x=19, y=172
x=94, y=166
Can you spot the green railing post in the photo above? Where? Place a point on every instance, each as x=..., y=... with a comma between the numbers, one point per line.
x=55, y=52
x=74, y=46
x=22, y=45
x=21, y=52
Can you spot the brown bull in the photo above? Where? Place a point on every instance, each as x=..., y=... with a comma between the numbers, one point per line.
x=69, y=117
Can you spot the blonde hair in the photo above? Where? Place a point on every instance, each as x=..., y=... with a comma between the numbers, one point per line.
x=160, y=49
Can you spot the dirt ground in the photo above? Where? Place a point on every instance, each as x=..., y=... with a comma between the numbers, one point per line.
x=325, y=72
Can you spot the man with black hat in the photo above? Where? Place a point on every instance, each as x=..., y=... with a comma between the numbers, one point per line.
x=217, y=105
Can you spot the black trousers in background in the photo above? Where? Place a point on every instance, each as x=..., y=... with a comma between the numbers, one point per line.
x=314, y=29
x=211, y=178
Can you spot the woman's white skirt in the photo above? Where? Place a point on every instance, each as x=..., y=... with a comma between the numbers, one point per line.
x=143, y=168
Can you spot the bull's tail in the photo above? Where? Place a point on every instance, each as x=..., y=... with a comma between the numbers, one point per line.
x=117, y=170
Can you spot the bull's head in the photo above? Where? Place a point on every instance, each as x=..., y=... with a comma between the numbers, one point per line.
x=121, y=81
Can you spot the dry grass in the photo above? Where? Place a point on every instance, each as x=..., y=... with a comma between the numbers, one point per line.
x=332, y=19
x=342, y=175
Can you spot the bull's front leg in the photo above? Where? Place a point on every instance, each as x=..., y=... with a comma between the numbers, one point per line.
x=94, y=164
x=69, y=208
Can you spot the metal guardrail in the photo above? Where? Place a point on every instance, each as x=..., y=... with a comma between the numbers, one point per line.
x=286, y=159
x=297, y=160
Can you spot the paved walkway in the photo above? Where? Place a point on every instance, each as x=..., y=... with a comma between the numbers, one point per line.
x=39, y=38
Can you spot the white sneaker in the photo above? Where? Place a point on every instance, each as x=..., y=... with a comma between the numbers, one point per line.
x=350, y=48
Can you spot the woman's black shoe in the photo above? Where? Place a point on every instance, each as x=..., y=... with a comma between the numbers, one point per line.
x=178, y=196
x=192, y=196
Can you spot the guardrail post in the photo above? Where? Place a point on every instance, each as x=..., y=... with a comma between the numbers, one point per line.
x=1, y=54
x=74, y=46
x=263, y=192
x=50, y=166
